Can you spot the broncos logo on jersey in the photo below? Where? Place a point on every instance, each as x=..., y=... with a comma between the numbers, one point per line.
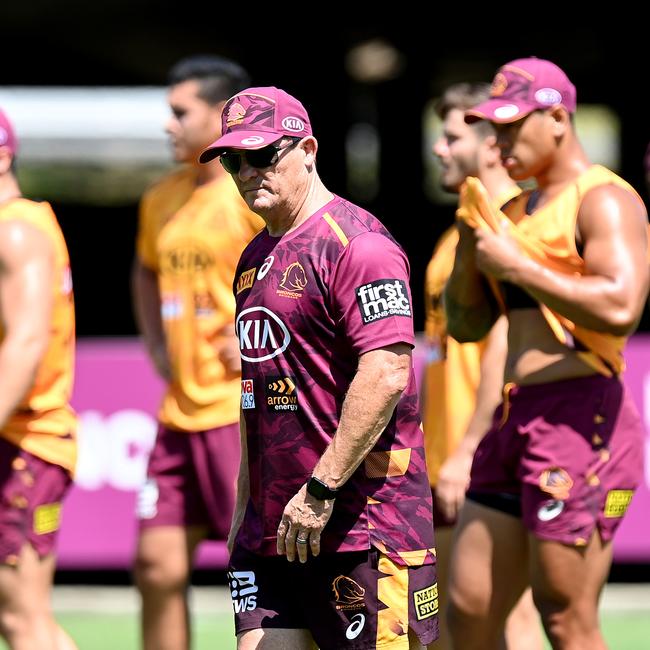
x=294, y=280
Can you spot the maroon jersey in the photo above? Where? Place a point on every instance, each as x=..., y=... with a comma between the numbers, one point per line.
x=308, y=304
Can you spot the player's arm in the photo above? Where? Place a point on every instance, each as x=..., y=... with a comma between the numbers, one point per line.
x=243, y=486
x=371, y=269
x=381, y=377
x=612, y=228
x=26, y=302
x=469, y=307
x=454, y=474
x=147, y=310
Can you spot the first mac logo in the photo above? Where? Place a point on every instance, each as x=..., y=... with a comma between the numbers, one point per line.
x=383, y=298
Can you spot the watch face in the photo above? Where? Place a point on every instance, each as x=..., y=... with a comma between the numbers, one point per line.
x=320, y=490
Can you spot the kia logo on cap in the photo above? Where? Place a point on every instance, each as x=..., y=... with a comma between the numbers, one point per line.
x=293, y=124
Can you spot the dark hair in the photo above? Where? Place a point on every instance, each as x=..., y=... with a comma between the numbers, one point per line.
x=464, y=96
x=219, y=78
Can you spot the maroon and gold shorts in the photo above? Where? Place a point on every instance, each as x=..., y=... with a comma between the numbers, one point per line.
x=31, y=492
x=357, y=600
x=566, y=455
x=191, y=480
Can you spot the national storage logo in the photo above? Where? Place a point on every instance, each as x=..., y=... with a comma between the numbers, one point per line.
x=426, y=602
x=383, y=298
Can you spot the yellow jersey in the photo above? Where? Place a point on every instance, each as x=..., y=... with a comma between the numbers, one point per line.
x=192, y=237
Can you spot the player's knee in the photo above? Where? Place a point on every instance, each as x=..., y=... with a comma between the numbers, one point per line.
x=469, y=622
x=159, y=574
x=566, y=619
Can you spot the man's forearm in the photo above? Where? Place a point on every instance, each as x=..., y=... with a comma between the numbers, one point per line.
x=596, y=302
x=366, y=411
x=146, y=307
x=469, y=321
x=469, y=307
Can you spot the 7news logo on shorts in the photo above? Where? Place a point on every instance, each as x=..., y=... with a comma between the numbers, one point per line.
x=242, y=588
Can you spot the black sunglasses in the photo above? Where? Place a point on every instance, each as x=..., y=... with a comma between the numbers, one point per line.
x=258, y=158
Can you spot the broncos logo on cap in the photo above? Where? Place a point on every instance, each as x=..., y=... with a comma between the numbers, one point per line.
x=235, y=115
x=499, y=85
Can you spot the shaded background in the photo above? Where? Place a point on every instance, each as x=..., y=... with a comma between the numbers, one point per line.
x=306, y=50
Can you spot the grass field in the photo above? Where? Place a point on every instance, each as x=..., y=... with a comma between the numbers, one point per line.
x=120, y=631
x=99, y=625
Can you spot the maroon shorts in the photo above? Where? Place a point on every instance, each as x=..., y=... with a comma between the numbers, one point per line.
x=571, y=453
x=355, y=600
x=32, y=492
x=191, y=480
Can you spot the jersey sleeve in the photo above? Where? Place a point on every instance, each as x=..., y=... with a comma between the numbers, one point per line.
x=370, y=293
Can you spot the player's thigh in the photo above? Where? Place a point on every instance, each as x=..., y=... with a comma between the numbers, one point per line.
x=26, y=585
x=487, y=544
x=444, y=539
x=275, y=639
x=568, y=576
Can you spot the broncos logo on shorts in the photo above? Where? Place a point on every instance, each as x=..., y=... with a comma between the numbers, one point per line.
x=556, y=482
x=348, y=593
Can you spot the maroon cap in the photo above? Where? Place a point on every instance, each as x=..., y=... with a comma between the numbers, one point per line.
x=7, y=134
x=521, y=87
x=257, y=117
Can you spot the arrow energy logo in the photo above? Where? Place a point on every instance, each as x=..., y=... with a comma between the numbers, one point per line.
x=281, y=393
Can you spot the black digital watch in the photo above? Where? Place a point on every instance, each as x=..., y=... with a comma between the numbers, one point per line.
x=320, y=490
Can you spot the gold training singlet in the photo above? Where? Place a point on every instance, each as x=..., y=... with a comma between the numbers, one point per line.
x=548, y=237
x=44, y=423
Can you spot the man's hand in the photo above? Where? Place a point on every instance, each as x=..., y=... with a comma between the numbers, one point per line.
x=498, y=253
x=301, y=526
x=452, y=483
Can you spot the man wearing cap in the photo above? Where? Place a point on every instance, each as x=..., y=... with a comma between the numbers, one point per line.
x=193, y=227
x=333, y=470
x=552, y=479
x=38, y=446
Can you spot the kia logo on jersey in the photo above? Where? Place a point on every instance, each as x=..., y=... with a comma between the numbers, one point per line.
x=262, y=335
